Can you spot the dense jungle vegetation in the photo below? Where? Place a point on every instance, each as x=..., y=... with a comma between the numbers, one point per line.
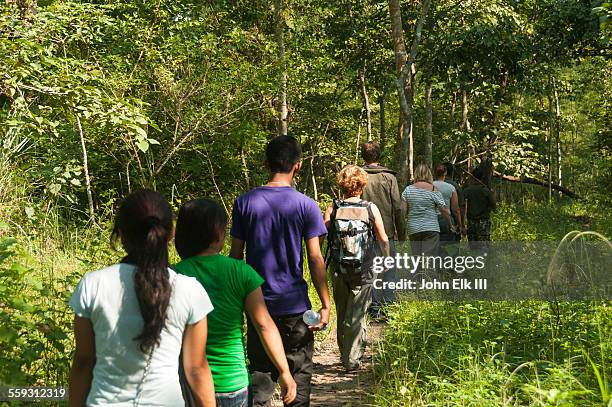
x=99, y=98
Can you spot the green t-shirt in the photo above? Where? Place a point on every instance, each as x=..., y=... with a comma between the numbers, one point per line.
x=227, y=282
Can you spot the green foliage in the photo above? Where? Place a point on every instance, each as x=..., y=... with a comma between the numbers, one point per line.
x=529, y=353
x=183, y=96
x=34, y=326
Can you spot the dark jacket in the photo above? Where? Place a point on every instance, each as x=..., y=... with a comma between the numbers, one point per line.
x=480, y=201
x=382, y=190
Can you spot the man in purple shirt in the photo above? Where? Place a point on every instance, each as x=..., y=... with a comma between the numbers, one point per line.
x=272, y=220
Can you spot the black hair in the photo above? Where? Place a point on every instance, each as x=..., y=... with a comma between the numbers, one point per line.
x=478, y=173
x=200, y=222
x=450, y=169
x=282, y=153
x=370, y=151
x=144, y=225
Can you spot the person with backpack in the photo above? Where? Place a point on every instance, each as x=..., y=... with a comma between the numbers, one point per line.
x=355, y=226
x=382, y=189
x=234, y=287
x=272, y=221
x=132, y=319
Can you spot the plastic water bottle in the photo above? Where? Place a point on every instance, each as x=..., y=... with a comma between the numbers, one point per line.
x=311, y=317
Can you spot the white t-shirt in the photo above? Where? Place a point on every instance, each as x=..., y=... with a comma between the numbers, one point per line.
x=108, y=299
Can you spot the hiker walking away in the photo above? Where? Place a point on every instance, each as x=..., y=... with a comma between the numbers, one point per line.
x=272, y=220
x=479, y=202
x=383, y=191
x=132, y=317
x=234, y=287
x=450, y=179
x=424, y=201
x=451, y=200
x=354, y=226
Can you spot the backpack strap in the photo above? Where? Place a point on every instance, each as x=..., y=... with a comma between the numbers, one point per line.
x=331, y=232
x=371, y=217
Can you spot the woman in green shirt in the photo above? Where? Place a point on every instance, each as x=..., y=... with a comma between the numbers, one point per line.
x=233, y=287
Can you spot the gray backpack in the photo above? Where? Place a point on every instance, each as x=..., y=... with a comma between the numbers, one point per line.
x=351, y=237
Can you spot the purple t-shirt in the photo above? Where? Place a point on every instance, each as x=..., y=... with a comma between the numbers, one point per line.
x=273, y=221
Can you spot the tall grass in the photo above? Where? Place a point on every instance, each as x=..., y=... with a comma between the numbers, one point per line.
x=529, y=353
x=494, y=354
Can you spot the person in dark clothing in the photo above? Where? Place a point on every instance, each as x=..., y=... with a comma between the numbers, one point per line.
x=479, y=202
x=382, y=190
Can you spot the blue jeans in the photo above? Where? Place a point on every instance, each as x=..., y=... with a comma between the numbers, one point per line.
x=238, y=398
x=386, y=295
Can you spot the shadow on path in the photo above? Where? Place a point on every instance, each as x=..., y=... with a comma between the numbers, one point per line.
x=331, y=385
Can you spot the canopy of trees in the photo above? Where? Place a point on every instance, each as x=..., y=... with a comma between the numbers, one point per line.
x=98, y=98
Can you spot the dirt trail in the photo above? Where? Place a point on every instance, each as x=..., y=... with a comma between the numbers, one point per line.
x=331, y=386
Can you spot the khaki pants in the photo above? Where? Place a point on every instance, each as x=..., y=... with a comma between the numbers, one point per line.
x=352, y=302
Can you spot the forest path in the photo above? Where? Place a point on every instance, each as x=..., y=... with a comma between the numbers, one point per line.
x=331, y=385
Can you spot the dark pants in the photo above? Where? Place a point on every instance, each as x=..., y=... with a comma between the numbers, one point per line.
x=479, y=233
x=298, y=342
x=424, y=244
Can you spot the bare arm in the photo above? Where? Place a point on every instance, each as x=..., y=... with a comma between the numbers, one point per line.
x=196, y=365
x=237, y=250
x=398, y=211
x=319, y=279
x=445, y=214
x=81, y=373
x=327, y=216
x=379, y=229
x=272, y=342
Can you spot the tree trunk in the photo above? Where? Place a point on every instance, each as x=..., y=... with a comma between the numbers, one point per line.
x=366, y=105
x=465, y=122
x=534, y=181
x=558, y=132
x=429, y=125
x=245, y=168
x=406, y=152
x=465, y=125
x=85, y=168
x=282, y=91
x=551, y=125
x=453, y=108
x=399, y=47
x=358, y=142
x=381, y=103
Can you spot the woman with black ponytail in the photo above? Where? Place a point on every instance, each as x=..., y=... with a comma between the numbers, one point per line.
x=133, y=318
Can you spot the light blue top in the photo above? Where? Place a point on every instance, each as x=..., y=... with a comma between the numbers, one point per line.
x=108, y=299
x=447, y=191
x=422, y=209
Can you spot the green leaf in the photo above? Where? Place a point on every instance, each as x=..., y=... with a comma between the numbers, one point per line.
x=140, y=132
x=143, y=145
